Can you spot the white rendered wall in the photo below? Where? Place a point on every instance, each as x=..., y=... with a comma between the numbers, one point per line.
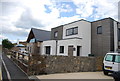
x=51, y=43
x=84, y=32
x=115, y=36
x=69, y=42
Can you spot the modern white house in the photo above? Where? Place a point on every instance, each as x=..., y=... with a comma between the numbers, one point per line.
x=79, y=38
x=75, y=41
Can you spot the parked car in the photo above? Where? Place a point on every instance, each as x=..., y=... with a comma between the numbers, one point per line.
x=111, y=63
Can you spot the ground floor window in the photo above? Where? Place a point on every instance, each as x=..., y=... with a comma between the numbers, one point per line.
x=61, y=49
x=47, y=50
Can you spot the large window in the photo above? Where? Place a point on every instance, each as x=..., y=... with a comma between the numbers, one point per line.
x=47, y=50
x=61, y=49
x=72, y=31
x=99, y=30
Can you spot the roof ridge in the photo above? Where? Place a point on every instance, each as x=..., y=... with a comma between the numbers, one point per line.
x=39, y=29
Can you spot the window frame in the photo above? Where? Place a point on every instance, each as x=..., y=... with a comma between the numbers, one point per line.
x=72, y=31
x=56, y=32
x=46, y=50
x=61, y=49
x=99, y=31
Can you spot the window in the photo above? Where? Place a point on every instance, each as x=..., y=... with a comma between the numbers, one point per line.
x=99, y=30
x=47, y=50
x=117, y=58
x=75, y=30
x=109, y=58
x=32, y=40
x=119, y=34
x=61, y=49
x=56, y=34
x=72, y=31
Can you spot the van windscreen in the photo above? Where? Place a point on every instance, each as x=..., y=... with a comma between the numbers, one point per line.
x=109, y=58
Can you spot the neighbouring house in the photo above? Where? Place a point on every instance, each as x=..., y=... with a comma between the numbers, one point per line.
x=35, y=38
x=79, y=38
x=105, y=36
x=19, y=45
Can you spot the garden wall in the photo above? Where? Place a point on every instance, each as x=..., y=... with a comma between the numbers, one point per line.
x=63, y=64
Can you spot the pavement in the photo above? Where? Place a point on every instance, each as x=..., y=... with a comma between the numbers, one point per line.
x=79, y=75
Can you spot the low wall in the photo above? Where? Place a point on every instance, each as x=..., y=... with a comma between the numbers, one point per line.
x=63, y=64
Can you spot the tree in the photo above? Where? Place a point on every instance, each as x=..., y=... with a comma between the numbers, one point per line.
x=7, y=44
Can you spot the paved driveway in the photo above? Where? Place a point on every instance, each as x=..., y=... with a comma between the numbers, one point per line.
x=80, y=75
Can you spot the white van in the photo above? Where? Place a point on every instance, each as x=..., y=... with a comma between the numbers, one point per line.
x=111, y=63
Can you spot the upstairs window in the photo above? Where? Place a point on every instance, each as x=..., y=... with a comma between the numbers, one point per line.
x=61, y=49
x=72, y=31
x=99, y=30
x=56, y=34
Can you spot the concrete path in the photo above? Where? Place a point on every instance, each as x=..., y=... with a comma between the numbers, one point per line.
x=80, y=75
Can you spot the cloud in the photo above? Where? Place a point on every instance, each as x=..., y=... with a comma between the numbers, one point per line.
x=27, y=21
x=18, y=17
x=65, y=7
x=3, y=37
x=96, y=8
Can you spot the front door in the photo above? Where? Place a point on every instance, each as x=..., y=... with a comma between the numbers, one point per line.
x=78, y=50
x=70, y=50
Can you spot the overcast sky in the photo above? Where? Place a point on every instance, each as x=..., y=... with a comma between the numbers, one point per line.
x=17, y=17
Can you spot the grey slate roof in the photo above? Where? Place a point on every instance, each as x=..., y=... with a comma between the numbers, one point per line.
x=40, y=35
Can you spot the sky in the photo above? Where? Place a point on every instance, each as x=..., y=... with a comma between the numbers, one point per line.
x=17, y=17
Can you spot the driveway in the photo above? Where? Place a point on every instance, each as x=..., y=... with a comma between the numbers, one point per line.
x=80, y=75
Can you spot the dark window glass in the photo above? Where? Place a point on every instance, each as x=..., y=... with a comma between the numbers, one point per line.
x=118, y=34
x=56, y=34
x=99, y=30
x=72, y=31
x=47, y=51
x=69, y=31
x=75, y=30
x=61, y=49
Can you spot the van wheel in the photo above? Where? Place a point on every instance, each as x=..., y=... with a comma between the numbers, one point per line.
x=105, y=72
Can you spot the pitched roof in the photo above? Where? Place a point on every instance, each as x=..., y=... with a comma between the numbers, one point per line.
x=39, y=35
